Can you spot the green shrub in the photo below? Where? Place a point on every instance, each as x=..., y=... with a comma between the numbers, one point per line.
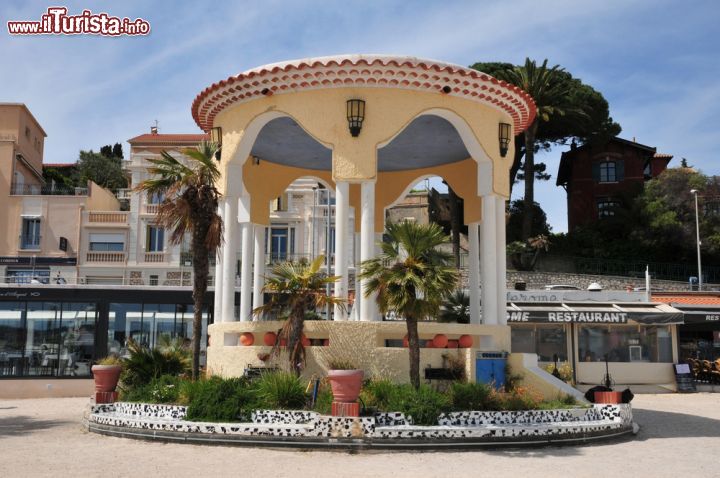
x=563, y=401
x=521, y=399
x=323, y=404
x=474, y=396
x=165, y=389
x=376, y=393
x=145, y=364
x=220, y=400
x=564, y=370
x=424, y=405
x=281, y=390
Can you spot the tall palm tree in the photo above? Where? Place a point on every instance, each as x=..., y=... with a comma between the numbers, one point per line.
x=189, y=205
x=296, y=288
x=411, y=277
x=550, y=90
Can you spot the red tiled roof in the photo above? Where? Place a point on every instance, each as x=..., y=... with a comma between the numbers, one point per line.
x=663, y=156
x=168, y=138
x=688, y=299
x=364, y=71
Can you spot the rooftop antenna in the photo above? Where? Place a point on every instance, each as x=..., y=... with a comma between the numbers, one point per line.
x=154, y=129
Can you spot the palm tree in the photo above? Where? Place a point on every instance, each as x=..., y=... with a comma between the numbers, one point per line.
x=550, y=90
x=456, y=308
x=189, y=205
x=296, y=288
x=411, y=277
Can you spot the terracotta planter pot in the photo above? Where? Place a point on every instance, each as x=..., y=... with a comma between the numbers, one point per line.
x=345, y=384
x=608, y=397
x=465, y=341
x=440, y=341
x=106, y=377
x=247, y=339
x=270, y=338
x=452, y=344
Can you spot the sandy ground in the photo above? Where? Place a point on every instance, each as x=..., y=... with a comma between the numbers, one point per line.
x=680, y=436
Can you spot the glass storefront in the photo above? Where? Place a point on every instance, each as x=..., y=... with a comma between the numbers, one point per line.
x=61, y=338
x=544, y=340
x=625, y=343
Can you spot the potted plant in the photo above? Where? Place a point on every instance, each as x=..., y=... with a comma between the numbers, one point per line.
x=345, y=380
x=106, y=373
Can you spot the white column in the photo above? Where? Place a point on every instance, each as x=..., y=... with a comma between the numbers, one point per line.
x=368, y=306
x=217, y=284
x=246, y=272
x=501, y=256
x=474, y=272
x=488, y=262
x=228, y=262
x=342, y=209
x=259, y=266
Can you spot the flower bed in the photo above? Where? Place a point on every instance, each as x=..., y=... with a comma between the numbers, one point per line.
x=383, y=430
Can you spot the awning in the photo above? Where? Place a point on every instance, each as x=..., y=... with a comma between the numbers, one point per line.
x=593, y=313
x=710, y=315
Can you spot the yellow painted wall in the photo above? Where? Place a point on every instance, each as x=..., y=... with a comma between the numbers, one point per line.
x=360, y=342
x=388, y=111
x=101, y=199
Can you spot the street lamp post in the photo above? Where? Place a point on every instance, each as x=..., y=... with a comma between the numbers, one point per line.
x=697, y=232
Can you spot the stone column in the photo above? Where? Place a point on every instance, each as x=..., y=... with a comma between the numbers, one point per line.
x=501, y=256
x=368, y=306
x=246, y=272
x=217, y=284
x=488, y=261
x=228, y=260
x=258, y=266
x=342, y=210
x=474, y=272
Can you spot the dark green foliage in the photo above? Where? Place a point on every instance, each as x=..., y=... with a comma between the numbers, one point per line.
x=514, y=224
x=376, y=393
x=104, y=171
x=423, y=404
x=474, y=396
x=456, y=308
x=165, y=389
x=145, y=364
x=323, y=404
x=221, y=400
x=281, y=391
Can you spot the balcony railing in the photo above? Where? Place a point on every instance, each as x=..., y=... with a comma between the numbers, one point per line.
x=113, y=217
x=105, y=256
x=37, y=190
x=30, y=242
x=186, y=259
x=123, y=194
x=155, y=257
x=151, y=208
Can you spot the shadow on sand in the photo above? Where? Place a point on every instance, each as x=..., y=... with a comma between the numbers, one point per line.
x=22, y=425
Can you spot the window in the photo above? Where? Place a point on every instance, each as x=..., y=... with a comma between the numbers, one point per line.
x=647, y=170
x=107, y=242
x=27, y=132
x=155, y=239
x=606, y=207
x=624, y=343
x=282, y=243
x=280, y=203
x=155, y=198
x=608, y=172
x=30, y=238
x=543, y=340
x=28, y=275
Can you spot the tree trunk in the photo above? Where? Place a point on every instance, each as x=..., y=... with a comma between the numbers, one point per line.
x=201, y=268
x=455, y=224
x=529, y=171
x=414, y=351
x=296, y=354
x=519, y=154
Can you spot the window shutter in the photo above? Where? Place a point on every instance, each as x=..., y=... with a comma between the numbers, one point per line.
x=620, y=170
x=596, y=172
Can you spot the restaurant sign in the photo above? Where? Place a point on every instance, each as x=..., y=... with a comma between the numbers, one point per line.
x=566, y=317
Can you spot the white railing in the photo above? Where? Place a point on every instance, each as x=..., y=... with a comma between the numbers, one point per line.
x=105, y=256
x=151, y=208
x=155, y=257
x=114, y=217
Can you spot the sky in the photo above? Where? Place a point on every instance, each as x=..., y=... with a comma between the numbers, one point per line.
x=657, y=62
